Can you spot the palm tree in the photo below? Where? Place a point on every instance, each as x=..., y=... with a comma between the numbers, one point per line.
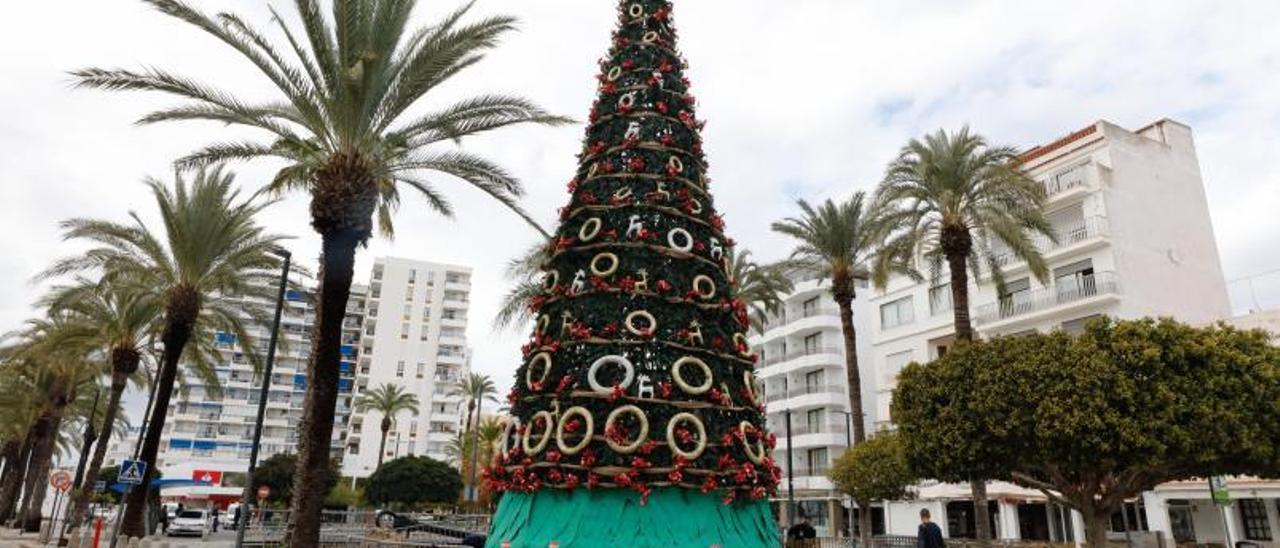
x=341, y=121
x=211, y=247
x=837, y=241
x=760, y=287
x=19, y=413
x=389, y=400
x=476, y=388
x=953, y=195
x=525, y=274
x=120, y=316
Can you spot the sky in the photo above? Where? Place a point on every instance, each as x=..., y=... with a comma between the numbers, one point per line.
x=804, y=99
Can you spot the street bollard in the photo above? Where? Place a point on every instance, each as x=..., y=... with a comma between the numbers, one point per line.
x=97, y=531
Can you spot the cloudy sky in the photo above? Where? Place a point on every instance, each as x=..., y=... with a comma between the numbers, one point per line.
x=804, y=98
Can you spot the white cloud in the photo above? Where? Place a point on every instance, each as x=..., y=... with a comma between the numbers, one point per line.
x=808, y=98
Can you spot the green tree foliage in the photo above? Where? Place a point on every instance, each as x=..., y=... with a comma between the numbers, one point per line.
x=874, y=470
x=389, y=400
x=409, y=481
x=1096, y=419
x=277, y=473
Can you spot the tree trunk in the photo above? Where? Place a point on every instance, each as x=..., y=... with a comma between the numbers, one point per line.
x=956, y=245
x=981, y=513
x=41, y=462
x=13, y=479
x=80, y=505
x=180, y=315
x=382, y=446
x=864, y=522
x=9, y=451
x=1096, y=524
x=337, y=265
x=844, y=299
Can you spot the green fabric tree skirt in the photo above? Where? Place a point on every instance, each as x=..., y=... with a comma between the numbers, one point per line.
x=673, y=518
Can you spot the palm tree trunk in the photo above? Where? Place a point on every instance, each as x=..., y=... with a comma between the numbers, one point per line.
x=475, y=449
x=41, y=461
x=13, y=479
x=844, y=299
x=337, y=266
x=9, y=452
x=382, y=446
x=80, y=506
x=180, y=316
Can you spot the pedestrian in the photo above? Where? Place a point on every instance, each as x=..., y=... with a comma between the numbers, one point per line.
x=236, y=517
x=164, y=520
x=928, y=535
x=215, y=519
x=803, y=534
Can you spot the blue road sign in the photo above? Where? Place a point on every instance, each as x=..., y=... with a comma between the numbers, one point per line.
x=132, y=472
x=99, y=486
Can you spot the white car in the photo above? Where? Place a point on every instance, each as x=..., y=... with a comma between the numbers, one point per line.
x=190, y=522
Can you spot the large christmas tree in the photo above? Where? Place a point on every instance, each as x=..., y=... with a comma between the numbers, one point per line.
x=637, y=419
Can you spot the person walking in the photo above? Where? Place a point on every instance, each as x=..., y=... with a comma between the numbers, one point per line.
x=802, y=535
x=928, y=535
x=215, y=519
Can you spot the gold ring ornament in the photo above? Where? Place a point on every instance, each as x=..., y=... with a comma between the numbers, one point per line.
x=549, y=421
x=627, y=377
x=695, y=207
x=744, y=349
x=697, y=425
x=641, y=314
x=627, y=100
x=545, y=359
x=550, y=279
x=636, y=10
x=686, y=245
x=679, y=378
x=622, y=193
x=590, y=229
x=650, y=37
x=749, y=383
x=756, y=454
x=675, y=163
x=615, y=73
x=591, y=172
x=543, y=322
x=640, y=439
x=601, y=271
x=704, y=286
x=509, y=431
x=586, y=436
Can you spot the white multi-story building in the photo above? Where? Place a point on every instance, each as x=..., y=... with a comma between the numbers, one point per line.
x=1134, y=240
x=414, y=336
x=802, y=374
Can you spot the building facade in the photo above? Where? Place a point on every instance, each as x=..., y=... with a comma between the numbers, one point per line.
x=1134, y=239
x=413, y=336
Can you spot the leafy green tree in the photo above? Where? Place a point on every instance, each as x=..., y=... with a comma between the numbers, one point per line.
x=953, y=196
x=760, y=287
x=211, y=246
x=121, y=316
x=1096, y=419
x=836, y=242
x=277, y=473
x=409, y=481
x=874, y=470
x=389, y=400
x=342, y=123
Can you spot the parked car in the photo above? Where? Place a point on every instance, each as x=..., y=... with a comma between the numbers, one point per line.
x=191, y=522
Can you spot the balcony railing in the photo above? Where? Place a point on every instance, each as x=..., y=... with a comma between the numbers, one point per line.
x=807, y=471
x=815, y=389
x=1064, y=180
x=801, y=427
x=771, y=360
x=1069, y=233
x=1066, y=290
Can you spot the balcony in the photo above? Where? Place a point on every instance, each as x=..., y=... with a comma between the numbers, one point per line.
x=819, y=470
x=773, y=360
x=1069, y=233
x=1067, y=291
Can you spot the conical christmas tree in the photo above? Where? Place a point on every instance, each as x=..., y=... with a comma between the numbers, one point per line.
x=637, y=419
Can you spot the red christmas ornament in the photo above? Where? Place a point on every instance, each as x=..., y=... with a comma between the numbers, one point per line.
x=636, y=165
x=663, y=286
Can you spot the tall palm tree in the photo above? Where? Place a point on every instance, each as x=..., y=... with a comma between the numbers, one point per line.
x=389, y=400
x=525, y=274
x=211, y=247
x=20, y=410
x=120, y=316
x=476, y=388
x=761, y=287
x=55, y=363
x=952, y=195
x=837, y=241
x=341, y=121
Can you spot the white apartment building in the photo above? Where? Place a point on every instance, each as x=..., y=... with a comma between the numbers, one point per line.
x=1135, y=239
x=802, y=374
x=209, y=435
x=414, y=336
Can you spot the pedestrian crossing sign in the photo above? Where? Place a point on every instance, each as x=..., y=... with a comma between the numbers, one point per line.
x=132, y=472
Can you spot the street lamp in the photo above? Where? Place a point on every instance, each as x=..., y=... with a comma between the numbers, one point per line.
x=243, y=522
x=791, y=491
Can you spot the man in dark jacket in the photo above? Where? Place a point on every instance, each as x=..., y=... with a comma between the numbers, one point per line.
x=929, y=535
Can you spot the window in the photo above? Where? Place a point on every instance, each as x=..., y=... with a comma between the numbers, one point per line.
x=893, y=364
x=939, y=299
x=1076, y=326
x=425, y=333
x=353, y=449
x=1075, y=281
x=404, y=331
x=813, y=343
x=813, y=419
x=818, y=461
x=377, y=272
x=422, y=369
x=408, y=312
x=1016, y=298
x=1253, y=513
x=814, y=380
x=400, y=368
x=375, y=291
x=408, y=294
x=413, y=275
x=896, y=313
x=810, y=307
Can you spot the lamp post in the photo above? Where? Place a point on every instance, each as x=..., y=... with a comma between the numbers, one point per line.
x=243, y=522
x=77, y=483
x=791, y=491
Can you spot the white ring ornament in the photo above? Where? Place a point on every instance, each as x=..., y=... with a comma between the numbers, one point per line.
x=636, y=10
x=630, y=323
x=602, y=272
x=509, y=431
x=627, y=377
x=758, y=454
x=685, y=246
x=586, y=436
x=545, y=358
x=627, y=100
x=615, y=73
x=684, y=385
x=699, y=281
x=590, y=229
x=676, y=164
x=546, y=433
